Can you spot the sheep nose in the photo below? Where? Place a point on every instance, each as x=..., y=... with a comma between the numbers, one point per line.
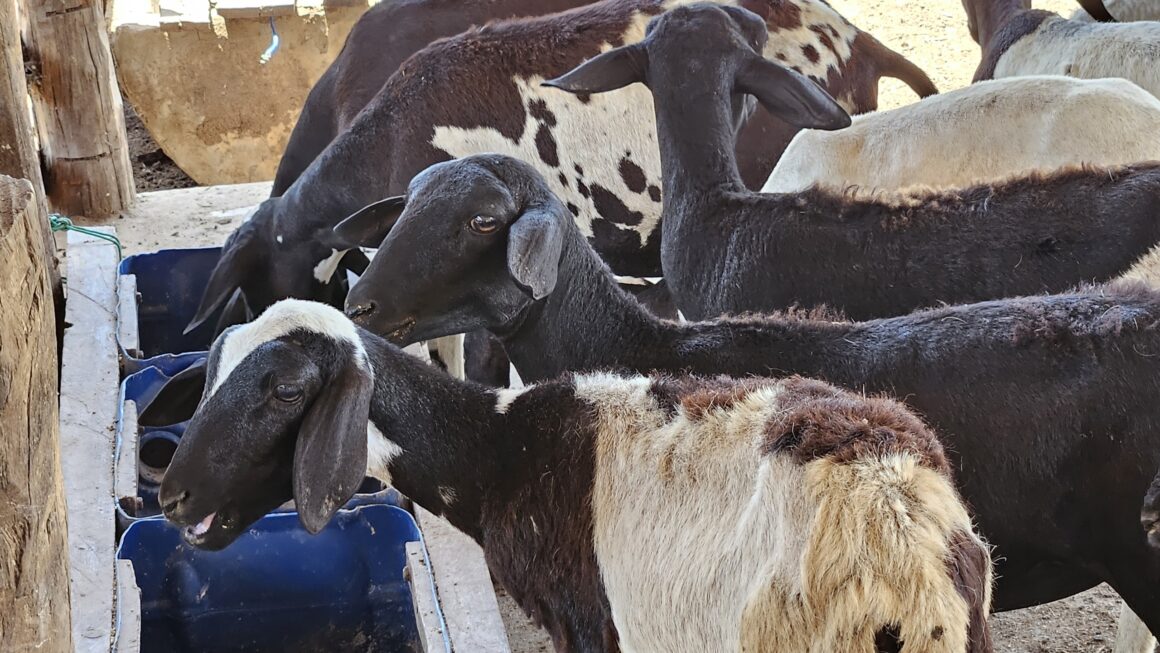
x=170, y=504
x=359, y=312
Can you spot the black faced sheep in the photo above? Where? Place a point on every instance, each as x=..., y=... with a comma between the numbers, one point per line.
x=728, y=250
x=480, y=92
x=622, y=512
x=1048, y=405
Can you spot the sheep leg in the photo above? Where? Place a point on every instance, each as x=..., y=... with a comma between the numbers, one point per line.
x=1132, y=636
x=1135, y=580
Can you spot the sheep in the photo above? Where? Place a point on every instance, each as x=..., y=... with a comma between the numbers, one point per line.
x=981, y=133
x=1119, y=10
x=1047, y=404
x=728, y=250
x=381, y=39
x=479, y=91
x=1018, y=40
x=622, y=512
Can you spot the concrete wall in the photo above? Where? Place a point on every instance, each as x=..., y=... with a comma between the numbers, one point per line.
x=193, y=74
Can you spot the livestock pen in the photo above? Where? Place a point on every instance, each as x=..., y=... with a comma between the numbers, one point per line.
x=217, y=113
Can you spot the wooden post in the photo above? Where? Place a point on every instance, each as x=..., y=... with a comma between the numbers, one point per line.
x=78, y=109
x=19, y=157
x=34, y=563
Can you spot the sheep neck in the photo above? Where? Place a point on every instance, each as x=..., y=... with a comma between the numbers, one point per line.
x=696, y=138
x=992, y=15
x=443, y=428
x=587, y=322
x=344, y=178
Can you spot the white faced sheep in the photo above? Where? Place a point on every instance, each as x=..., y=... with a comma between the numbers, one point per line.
x=981, y=133
x=1018, y=40
x=1047, y=404
x=622, y=512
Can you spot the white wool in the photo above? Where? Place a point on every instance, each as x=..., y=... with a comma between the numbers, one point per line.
x=327, y=266
x=380, y=453
x=773, y=554
x=279, y=320
x=982, y=133
x=1124, y=11
x=1089, y=51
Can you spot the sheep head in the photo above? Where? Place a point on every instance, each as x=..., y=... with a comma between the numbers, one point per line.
x=284, y=415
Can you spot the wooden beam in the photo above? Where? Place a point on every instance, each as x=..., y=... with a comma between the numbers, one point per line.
x=78, y=109
x=466, y=595
x=19, y=156
x=34, y=572
x=89, y=400
x=418, y=574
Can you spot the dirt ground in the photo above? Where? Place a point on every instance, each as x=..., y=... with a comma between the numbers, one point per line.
x=933, y=34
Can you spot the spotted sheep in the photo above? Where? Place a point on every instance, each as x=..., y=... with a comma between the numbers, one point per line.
x=1046, y=404
x=1018, y=40
x=622, y=512
x=983, y=133
x=480, y=91
x=381, y=39
x=729, y=250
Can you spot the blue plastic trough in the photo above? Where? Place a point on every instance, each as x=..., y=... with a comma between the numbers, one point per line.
x=278, y=588
x=169, y=284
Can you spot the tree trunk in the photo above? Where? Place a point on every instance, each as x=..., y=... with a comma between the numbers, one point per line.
x=34, y=563
x=78, y=109
x=19, y=156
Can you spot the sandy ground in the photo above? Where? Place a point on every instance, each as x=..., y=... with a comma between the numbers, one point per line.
x=933, y=34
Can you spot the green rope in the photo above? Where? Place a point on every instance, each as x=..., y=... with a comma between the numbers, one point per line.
x=60, y=223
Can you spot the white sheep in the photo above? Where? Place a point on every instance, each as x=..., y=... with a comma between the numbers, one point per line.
x=978, y=134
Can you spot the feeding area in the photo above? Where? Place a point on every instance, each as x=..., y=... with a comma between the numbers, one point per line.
x=507, y=326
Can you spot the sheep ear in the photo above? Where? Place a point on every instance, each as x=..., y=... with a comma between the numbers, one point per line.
x=790, y=95
x=355, y=261
x=178, y=398
x=1097, y=10
x=237, y=311
x=330, y=458
x=535, y=241
x=239, y=258
x=605, y=72
x=368, y=226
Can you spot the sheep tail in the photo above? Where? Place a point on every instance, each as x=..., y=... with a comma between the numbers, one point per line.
x=892, y=559
x=892, y=64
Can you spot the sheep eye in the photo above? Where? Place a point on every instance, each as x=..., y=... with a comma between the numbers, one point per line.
x=287, y=393
x=484, y=224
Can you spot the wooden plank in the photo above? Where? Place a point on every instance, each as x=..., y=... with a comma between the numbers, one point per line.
x=34, y=583
x=88, y=411
x=423, y=600
x=127, y=335
x=125, y=464
x=128, y=620
x=78, y=109
x=466, y=595
x=242, y=9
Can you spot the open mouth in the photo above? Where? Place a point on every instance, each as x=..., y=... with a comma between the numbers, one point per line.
x=399, y=333
x=205, y=531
